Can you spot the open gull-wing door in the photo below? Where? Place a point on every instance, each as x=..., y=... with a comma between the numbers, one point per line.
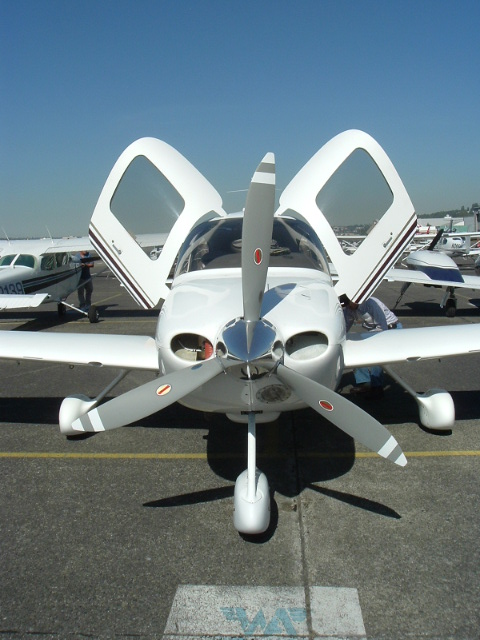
x=352, y=196
x=151, y=189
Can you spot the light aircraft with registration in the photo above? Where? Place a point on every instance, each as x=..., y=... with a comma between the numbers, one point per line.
x=251, y=325
x=33, y=272
x=460, y=244
x=434, y=268
x=47, y=270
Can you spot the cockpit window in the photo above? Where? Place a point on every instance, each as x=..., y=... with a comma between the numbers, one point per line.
x=18, y=260
x=218, y=244
x=145, y=201
x=25, y=260
x=5, y=261
x=48, y=262
x=62, y=259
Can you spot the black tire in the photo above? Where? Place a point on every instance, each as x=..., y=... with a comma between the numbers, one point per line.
x=450, y=308
x=93, y=314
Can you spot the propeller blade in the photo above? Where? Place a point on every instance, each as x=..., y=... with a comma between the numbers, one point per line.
x=344, y=414
x=434, y=242
x=257, y=237
x=148, y=398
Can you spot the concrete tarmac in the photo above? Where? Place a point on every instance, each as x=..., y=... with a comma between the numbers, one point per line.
x=110, y=536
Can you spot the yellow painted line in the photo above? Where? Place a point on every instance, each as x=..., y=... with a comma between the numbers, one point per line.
x=408, y=454
x=116, y=295
x=445, y=454
x=205, y=456
x=426, y=454
x=104, y=456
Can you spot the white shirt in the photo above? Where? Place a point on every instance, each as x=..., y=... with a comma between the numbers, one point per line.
x=379, y=312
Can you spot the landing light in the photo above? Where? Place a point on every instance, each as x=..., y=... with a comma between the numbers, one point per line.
x=307, y=345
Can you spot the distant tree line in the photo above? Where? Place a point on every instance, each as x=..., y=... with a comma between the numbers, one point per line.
x=454, y=213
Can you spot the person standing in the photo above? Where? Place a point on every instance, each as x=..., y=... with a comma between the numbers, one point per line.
x=85, y=285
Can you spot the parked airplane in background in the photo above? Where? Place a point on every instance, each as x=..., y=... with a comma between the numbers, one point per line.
x=36, y=271
x=33, y=272
x=447, y=238
x=453, y=244
x=252, y=325
x=460, y=244
x=434, y=267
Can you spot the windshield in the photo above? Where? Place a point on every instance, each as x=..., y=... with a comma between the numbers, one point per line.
x=18, y=260
x=25, y=260
x=217, y=244
x=7, y=260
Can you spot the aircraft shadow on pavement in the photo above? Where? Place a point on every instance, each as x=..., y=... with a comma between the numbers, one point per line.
x=396, y=406
x=357, y=501
x=50, y=319
x=431, y=309
x=296, y=452
x=212, y=495
x=30, y=410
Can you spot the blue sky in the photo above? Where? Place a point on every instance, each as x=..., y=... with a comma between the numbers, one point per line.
x=224, y=82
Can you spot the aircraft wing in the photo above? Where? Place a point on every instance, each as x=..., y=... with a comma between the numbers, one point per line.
x=419, y=277
x=151, y=239
x=410, y=345
x=14, y=301
x=124, y=352
x=72, y=245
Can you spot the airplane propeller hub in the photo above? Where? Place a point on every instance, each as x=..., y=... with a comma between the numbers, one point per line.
x=251, y=343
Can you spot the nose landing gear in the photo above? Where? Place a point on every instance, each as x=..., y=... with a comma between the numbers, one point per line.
x=91, y=313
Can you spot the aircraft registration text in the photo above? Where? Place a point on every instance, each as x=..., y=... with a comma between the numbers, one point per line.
x=15, y=288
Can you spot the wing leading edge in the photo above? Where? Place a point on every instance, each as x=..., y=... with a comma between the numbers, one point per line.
x=21, y=301
x=124, y=352
x=419, y=277
x=410, y=345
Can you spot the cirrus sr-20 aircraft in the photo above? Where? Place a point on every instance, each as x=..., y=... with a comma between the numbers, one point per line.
x=251, y=325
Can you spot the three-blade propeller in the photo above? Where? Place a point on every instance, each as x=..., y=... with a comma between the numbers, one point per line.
x=160, y=393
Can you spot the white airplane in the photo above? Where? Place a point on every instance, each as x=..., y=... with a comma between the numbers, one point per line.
x=433, y=268
x=252, y=325
x=33, y=272
x=460, y=244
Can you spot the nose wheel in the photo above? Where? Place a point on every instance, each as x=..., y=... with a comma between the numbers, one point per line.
x=92, y=313
x=252, y=495
x=450, y=303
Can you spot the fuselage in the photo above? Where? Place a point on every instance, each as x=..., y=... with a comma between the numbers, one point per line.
x=24, y=273
x=301, y=306
x=435, y=264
